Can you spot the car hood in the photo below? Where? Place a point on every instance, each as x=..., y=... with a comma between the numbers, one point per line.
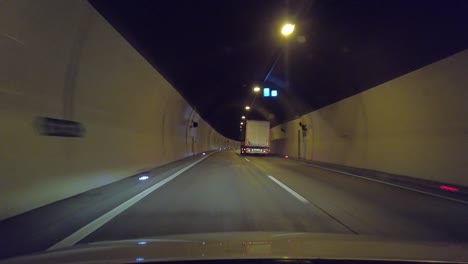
x=251, y=245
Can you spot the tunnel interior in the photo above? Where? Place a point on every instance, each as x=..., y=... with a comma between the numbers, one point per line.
x=121, y=122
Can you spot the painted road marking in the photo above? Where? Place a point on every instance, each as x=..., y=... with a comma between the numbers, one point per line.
x=305, y=201
x=94, y=225
x=291, y=191
x=247, y=159
x=387, y=183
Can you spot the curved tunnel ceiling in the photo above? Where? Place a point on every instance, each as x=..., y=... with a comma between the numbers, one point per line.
x=214, y=52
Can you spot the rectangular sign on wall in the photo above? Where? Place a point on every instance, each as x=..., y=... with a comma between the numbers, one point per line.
x=59, y=127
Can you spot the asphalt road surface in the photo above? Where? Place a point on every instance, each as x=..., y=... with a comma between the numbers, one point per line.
x=226, y=192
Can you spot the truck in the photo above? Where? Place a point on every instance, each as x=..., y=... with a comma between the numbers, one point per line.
x=257, y=138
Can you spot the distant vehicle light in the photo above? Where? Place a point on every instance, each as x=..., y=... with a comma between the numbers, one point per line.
x=203, y=153
x=141, y=243
x=286, y=157
x=143, y=178
x=449, y=188
x=139, y=259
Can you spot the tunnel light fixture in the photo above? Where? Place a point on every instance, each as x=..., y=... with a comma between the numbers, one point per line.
x=243, y=117
x=143, y=178
x=256, y=89
x=142, y=243
x=247, y=107
x=287, y=29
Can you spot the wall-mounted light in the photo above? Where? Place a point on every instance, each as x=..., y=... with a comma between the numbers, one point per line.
x=143, y=178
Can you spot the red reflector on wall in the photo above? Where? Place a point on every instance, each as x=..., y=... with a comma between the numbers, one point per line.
x=448, y=188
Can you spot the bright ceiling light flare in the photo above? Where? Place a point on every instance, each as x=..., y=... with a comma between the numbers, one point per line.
x=243, y=117
x=247, y=108
x=256, y=89
x=287, y=29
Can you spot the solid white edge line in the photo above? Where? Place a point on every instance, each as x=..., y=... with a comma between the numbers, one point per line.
x=247, y=159
x=387, y=183
x=97, y=223
x=291, y=191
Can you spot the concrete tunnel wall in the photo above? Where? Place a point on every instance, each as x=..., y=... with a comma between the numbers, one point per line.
x=415, y=125
x=61, y=59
